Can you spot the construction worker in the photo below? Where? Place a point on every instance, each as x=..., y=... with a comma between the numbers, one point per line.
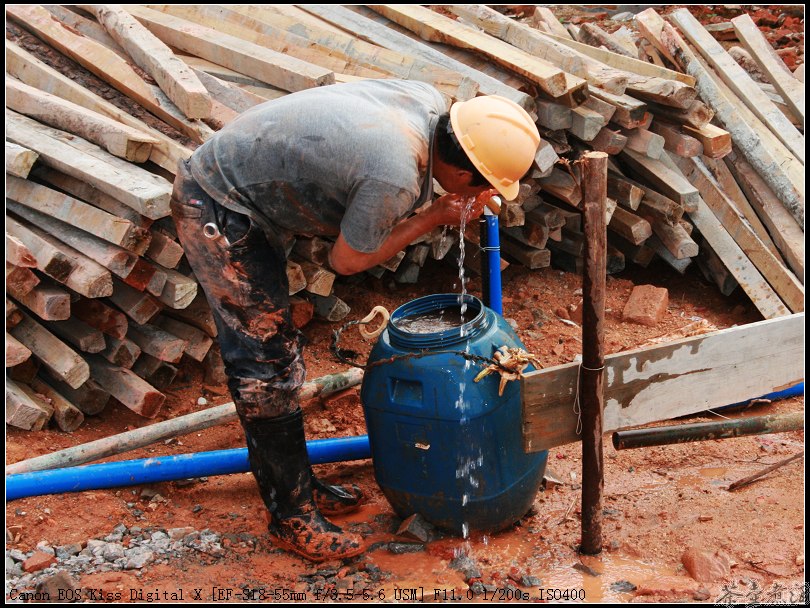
x=352, y=162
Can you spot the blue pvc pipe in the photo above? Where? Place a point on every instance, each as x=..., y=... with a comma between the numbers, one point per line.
x=168, y=468
x=493, y=252
x=793, y=391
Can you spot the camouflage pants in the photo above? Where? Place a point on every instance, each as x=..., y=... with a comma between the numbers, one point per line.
x=243, y=274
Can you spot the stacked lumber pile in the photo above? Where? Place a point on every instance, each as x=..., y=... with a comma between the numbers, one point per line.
x=707, y=165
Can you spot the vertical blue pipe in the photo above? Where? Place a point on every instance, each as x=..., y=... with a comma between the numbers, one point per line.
x=493, y=256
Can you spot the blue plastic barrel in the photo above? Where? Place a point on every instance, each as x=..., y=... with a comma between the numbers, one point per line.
x=442, y=445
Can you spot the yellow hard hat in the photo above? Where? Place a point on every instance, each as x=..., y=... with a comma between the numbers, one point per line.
x=499, y=137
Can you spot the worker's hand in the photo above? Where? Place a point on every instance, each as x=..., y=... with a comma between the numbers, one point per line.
x=450, y=209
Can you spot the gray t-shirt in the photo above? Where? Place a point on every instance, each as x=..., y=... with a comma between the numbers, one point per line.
x=352, y=158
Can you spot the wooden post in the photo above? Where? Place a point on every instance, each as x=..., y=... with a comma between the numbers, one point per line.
x=594, y=195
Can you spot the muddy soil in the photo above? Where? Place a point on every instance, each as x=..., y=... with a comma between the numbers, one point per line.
x=659, y=501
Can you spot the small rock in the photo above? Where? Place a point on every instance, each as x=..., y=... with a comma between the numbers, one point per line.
x=400, y=548
x=148, y=493
x=625, y=16
x=138, y=557
x=647, y=305
x=45, y=547
x=59, y=587
x=137, y=513
x=701, y=595
x=17, y=555
x=94, y=545
x=120, y=529
x=202, y=401
x=668, y=585
x=13, y=569
x=361, y=528
x=530, y=581
x=706, y=566
x=159, y=535
x=196, y=509
x=622, y=587
x=113, y=538
x=39, y=561
x=178, y=533
x=465, y=564
x=66, y=551
x=415, y=528
x=112, y=552
x=585, y=569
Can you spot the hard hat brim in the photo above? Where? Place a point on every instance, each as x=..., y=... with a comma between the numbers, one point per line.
x=509, y=192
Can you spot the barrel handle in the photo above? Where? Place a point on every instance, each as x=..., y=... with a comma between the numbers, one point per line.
x=377, y=310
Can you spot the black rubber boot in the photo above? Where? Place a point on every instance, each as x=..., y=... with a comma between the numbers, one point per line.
x=278, y=458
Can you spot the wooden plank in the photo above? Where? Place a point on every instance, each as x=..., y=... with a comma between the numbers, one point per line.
x=630, y=112
x=18, y=254
x=268, y=66
x=118, y=139
x=156, y=372
x=227, y=93
x=644, y=142
x=624, y=192
x=13, y=314
x=376, y=33
x=173, y=76
x=20, y=281
x=585, y=123
x=60, y=206
x=117, y=260
x=135, y=393
x=79, y=334
x=122, y=353
x=563, y=186
x=620, y=62
x=787, y=234
x=608, y=141
x=697, y=114
x=777, y=166
x=676, y=141
x=47, y=301
x=16, y=352
x=786, y=285
x=157, y=342
x=197, y=314
x=27, y=68
x=85, y=26
x=670, y=380
x=740, y=82
x=673, y=236
x=529, y=256
x=51, y=258
x=716, y=141
x=104, y=63
x=434, y=27
x=145, y=192
x=66, y=415
x=101, y=316
x=595, y=36
x=553, y=115
x=90, y=398
x=660, y=177
x=198, y=343
x=19, y=160
x=179, y=290
x=24, y=410
x=51, y=351
x=544, y=15
x=164, y=250
x=319, y=279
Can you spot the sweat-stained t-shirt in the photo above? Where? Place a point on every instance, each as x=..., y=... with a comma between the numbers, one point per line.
x=352, y=158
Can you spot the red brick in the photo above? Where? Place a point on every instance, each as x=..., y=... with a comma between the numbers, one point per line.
x=647, y=305
x=39, y=561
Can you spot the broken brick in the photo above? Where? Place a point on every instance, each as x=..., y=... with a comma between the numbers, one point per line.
x=39, y=561
x=647, y=305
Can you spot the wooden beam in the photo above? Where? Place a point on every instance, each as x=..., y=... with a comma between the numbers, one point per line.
x=434, y=27
x=145, y=192
x=156, y=372
x=660, y=177
x=47, y=301
x=138, y=306
x=16, y=352
x=156, y=342
x=644, y=142
x=787, y=234
x=27, y=68
x=786, y=285
x=791, y=90
x=19, y=160
x=122, y=353
x=740, y=82
x=529, y=256
x=18, y=254
x=697, y=114
x=630, y=112
x=173, y=76
x=586, y=124
x=90, y=398
x=670, y=380
x=79, y=334
x=624, y=192
x=67, y=209
x=104, y=63
x=164, y=250
x=66, y=415
x=101, y=316
x=676, y=141
x=608, y=141
x=370, y=31
x=198, y=314
x=198, y=343
x=51, y=258
x=773, y=162
x=135, y=393
x=179, y=290
x=673, y=236
x=20, y=281
x=716, y=141
x=117, y=138
x=631, y=227
x=57, y=357
x=268, y=66
x=24, y=410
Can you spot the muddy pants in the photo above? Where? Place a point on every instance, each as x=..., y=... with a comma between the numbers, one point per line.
x=243, y=272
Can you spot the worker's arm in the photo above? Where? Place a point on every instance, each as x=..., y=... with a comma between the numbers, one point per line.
x=446, y=210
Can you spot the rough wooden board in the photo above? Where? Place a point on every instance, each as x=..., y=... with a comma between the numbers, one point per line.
x=585, y=123
x=644, y=142
x=198, y=314
x=676, y=141
x=97, y=313
x=781, y=279
x=179, y=290
x=263, y=64
x=628, y=64
x=90, y=398
x=18, y=254
x=138, y=306
x=173, y=76
x=16, y=352
x=65, y=208
x=104, y=63
x=791, y=90
x=118, y=139
x=553, y=115
x=438, y=28
x=716, y=141
x=781, y=171
x=629, y=226
x=198, y=343
x=164, y=250
x=20, y=281
x=670, y=380
x=85, y=26
x=23, y=409
x=740, y=82
x=145, y=192
x=157, y=342
x=78, y=334
x=66, y=415
x=47, y=301
x=27, y=68
x=787, y=234
x=660, y=177
x=370, y=31
x=57, y=357
x=134, y=392
x=19, y=160
x=49, y=255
